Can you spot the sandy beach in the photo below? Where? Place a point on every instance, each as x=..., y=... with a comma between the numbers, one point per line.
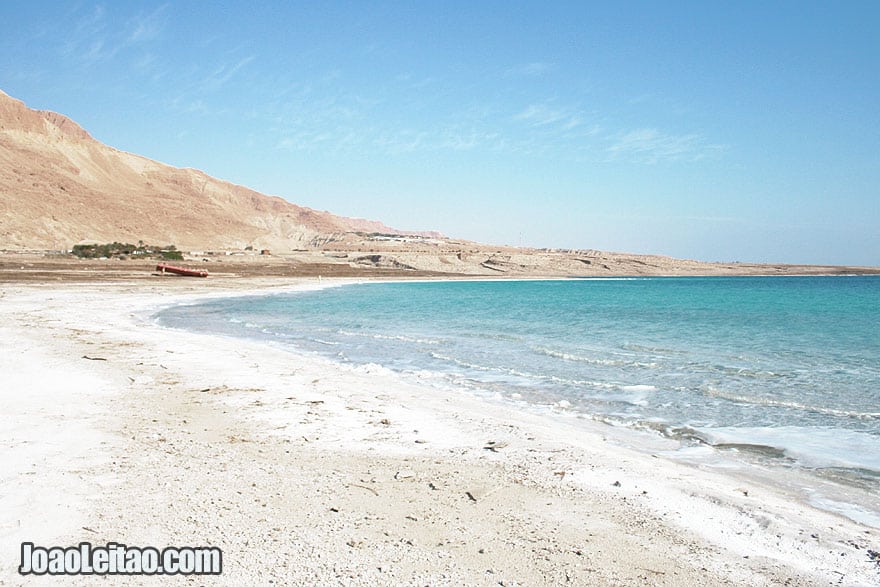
x=306, y=472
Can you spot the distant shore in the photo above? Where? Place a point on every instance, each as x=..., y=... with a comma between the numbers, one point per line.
x=308, y=472
x=24, y=267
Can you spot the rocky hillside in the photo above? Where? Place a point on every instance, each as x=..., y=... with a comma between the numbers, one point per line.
x=59, y=186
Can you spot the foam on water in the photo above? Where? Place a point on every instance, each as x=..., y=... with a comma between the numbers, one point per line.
x=811, y=447
x=855, y=512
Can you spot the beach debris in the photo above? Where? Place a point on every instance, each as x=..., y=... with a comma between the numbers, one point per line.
x=370, y=489
x=874, y=557
x=164, y=268
x=385, y=422
x=404, y=475
x=560, y=474
x=616, y=484
x=94, y=358
x=420, y=441
x=477, y=494
x=494, y=445
x=87, y=529
x=433, y=486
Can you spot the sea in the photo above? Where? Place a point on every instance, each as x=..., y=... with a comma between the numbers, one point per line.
x=770, y=372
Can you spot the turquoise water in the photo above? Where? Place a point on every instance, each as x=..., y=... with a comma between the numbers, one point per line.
x=785, y=367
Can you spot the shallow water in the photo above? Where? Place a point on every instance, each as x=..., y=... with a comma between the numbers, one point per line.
x=781, y=369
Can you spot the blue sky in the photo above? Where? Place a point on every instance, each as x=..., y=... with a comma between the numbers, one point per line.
x=712, y=130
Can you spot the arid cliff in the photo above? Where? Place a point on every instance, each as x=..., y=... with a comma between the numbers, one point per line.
x=59, y=186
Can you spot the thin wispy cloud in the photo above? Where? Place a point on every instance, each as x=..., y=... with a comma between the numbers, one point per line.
x=91, y=22
x=86, y=39
x=150, y=66
x=402, y=141
x=344, y=122
x=186, y=104
x=97, y=51
x=324, y=115
x=196, y=91
x=312, y=116
x=341, y=123
x=93, y=37
x=544, y=115
x=416, y=83
x=329, y=140
x=147, y=27
x=649, y=145
x=355, y=138
x=222, y=74
x=469, y=139
x=532, y=69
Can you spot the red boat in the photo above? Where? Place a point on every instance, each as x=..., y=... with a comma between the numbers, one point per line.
x=163, y=268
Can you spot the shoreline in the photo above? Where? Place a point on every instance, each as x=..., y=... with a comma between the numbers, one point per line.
x=351, y=474
x=844, y=495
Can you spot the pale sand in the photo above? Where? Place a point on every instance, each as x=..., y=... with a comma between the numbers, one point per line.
x=309, y=473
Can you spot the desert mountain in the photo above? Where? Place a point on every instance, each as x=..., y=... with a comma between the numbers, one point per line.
x=59, y=186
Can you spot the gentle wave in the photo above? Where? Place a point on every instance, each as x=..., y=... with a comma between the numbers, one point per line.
x=743, y=372
x=563, y=381
x=639, y=348
x=778, y=403
x=592, y=360
x=584, y=383
x=486, y=368
x=400, y=338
